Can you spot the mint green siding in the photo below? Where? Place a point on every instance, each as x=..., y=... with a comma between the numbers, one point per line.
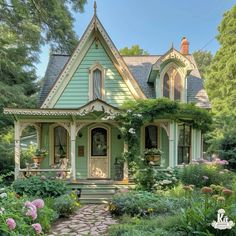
x=76, y=92
x=82, y=161
x=117, y=148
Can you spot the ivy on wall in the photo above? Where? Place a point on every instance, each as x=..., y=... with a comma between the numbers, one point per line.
x=136, y=113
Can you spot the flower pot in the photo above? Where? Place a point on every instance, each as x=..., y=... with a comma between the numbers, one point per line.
x=37, y=160
x=155, y=158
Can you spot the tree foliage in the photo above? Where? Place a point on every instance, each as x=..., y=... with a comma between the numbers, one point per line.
x=26, y=25
x=221, y=76
x=220, y=84
x=203, y=60
x=135, y=50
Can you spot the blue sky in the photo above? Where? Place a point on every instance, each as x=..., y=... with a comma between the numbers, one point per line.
x=153, y=24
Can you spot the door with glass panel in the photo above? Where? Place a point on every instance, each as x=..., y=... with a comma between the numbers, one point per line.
x=98, y=153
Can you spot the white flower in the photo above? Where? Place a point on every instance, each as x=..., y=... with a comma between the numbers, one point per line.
x=2, y=210
x=166, y=181
x=2, y=195
x=168, y=175
x=132, y=130
x=129, y=111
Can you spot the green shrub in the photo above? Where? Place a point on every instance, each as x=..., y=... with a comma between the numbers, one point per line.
x=143, y=204
x=66, y=204
x=39, y=186
x=205, y=174
x=164, y=225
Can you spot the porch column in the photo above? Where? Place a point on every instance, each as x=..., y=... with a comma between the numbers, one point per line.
x=126, y=170
x=72, y=146
x=17, y=148
x=172, y=145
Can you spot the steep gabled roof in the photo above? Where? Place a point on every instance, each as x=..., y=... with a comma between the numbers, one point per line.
x=140, y=67
x=94, y=28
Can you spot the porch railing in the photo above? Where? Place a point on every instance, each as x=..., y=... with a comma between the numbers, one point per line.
x=57, y=173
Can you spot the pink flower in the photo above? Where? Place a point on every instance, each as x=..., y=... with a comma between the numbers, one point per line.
x=11, y=223
x=31, y=206
x=37, y=227
x=32, y=213
x=39, y=203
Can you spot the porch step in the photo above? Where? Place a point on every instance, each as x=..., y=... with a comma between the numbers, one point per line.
x=97, y=192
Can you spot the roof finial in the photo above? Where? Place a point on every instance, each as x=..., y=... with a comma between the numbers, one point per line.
x=172, y=45
x=95, y=8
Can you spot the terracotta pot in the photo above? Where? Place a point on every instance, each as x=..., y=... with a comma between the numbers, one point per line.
x=37, y=159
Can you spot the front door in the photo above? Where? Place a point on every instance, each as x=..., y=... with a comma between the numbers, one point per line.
x=98, y=153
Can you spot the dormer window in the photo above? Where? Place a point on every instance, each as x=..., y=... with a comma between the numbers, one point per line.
x=96, y=82
x=172, y=85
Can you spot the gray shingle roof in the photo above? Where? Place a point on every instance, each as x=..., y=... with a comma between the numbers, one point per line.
x=140, y=67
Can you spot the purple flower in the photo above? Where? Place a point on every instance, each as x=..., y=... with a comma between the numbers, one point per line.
x=11, y=223
x=37, y=227
x=39, y=203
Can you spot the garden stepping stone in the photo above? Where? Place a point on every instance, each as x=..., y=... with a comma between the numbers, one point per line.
x=92, y=220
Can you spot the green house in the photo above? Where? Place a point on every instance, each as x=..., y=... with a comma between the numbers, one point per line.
x=81, y=89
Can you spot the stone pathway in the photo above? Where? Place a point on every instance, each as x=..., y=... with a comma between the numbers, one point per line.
x=89, y=220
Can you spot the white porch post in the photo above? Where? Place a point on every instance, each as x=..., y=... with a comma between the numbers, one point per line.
x=126, y=170
x=72, y=146
x=17, y=148
x=172, y=145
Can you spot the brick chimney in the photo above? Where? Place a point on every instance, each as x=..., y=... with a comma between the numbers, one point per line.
x=184, y=49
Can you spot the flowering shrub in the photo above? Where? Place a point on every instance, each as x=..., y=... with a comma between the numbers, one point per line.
x=206, y=173
x=39, y=186
x=19, y=216
x=150, y=178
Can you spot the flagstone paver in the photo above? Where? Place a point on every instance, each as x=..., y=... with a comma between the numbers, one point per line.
x=89, y=220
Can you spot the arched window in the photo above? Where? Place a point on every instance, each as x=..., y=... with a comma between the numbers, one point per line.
x=97, y=84
x=177, y=87
x=60, y=144
x=151, y=136
x=166, y=86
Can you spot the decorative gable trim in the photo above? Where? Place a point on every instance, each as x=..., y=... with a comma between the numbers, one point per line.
x=76, y=58
x=95, y=105
x=174, y=55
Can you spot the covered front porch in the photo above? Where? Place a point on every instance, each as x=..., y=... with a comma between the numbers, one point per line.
x=84, y=145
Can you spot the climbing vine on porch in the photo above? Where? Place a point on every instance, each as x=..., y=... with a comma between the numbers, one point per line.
x=136, y=113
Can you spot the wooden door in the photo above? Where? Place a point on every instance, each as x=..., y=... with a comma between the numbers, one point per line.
x=98, y=153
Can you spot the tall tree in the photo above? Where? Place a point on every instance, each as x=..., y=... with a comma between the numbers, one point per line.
x=25, y=25
x=135, y=50
x=203, y=60
x=221, y=77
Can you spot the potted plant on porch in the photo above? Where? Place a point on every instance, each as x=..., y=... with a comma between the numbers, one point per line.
x=153, y=156
x=39, y=155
